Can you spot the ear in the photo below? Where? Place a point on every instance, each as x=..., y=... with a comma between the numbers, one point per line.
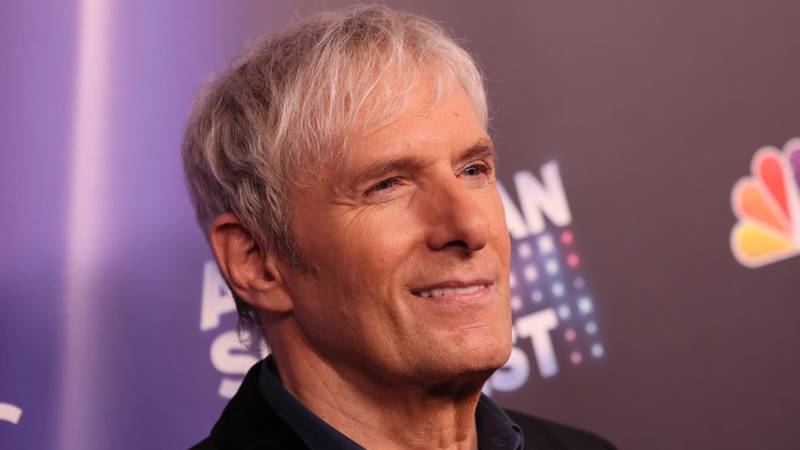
x=251, y=271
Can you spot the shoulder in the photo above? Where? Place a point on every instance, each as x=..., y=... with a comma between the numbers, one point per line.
x=205, y=444
x=249, y=422
x=546, y=434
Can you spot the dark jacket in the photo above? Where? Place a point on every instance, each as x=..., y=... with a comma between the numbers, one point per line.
x=250, y=423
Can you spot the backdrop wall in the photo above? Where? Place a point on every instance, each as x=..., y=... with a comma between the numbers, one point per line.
x=654, y=232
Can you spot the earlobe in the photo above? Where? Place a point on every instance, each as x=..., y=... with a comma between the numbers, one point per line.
x=251, y=270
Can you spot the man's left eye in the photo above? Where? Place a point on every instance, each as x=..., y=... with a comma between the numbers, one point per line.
x=475, y=170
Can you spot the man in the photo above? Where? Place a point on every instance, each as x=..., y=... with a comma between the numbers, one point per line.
x=344, y=178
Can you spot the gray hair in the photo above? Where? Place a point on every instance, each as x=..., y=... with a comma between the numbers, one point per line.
x=292, y=102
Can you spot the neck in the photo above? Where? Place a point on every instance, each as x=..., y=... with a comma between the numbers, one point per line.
x=381, y=413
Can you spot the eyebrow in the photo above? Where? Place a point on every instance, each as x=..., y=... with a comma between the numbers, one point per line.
x=483, y=148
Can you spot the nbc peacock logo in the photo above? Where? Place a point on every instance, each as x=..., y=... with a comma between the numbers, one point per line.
x=767, y=204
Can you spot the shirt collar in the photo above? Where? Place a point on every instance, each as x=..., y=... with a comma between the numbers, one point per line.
x=315, y=432
x=496, y=431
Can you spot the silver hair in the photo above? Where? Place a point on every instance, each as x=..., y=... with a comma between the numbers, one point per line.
x=291, y=103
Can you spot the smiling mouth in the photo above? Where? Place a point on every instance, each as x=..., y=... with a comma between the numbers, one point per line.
x=454, y=289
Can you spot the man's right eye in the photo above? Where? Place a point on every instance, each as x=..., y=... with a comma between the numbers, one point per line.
x=382, y=186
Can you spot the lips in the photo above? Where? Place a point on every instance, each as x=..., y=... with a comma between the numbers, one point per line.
x=453, y=288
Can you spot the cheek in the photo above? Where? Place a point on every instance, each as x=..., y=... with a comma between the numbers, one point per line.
x=380, y=236
x=367, y=252
x=357, y=293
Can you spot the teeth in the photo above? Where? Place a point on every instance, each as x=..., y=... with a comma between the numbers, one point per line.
x=451, y=291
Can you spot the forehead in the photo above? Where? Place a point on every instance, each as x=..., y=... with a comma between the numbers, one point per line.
x=429, y=117
x=431, y=113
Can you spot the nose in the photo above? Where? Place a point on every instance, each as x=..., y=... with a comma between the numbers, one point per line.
x=455, y=217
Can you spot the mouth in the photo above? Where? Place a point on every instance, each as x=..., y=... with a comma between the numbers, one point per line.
x=454, y=289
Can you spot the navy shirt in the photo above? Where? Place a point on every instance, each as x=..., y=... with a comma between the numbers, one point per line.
x=496, y=431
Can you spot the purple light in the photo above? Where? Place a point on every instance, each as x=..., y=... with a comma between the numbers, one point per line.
x=531, y=274
x=525, y=250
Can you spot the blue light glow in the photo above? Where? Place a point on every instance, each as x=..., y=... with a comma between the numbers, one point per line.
x=564, y=312
x=546, y=244
x=557, y=289
x=551, y=266
x=585, y=305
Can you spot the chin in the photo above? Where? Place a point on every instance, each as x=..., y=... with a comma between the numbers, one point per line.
x=476, y=359
x=493, y=356
x=487, y=348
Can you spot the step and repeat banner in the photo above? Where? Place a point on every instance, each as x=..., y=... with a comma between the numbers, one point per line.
x=649, y=163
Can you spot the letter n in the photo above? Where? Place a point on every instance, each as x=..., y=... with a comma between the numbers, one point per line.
x=540, y=199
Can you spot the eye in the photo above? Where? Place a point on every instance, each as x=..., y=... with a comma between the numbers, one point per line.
x=477, y=169
x=382, y=187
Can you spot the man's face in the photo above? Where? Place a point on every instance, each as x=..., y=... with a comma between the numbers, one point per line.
x=412, y=250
